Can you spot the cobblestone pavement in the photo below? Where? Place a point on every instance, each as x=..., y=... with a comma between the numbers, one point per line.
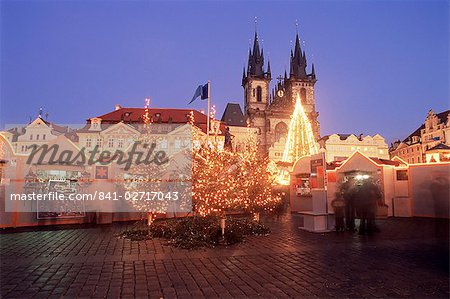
x=408, y=258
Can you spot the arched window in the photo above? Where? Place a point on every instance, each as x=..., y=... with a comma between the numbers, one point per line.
x=259, y=93
x=303, y=95
x=281, y=130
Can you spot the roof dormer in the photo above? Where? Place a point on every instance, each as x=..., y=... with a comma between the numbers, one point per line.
x=96, y=124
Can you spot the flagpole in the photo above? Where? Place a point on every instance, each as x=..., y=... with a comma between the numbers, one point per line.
x=208, y=103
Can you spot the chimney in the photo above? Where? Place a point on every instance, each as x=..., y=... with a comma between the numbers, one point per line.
x=117, y=107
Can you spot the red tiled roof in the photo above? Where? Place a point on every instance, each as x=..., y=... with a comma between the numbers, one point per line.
x=163, y=115
x=385, y=162
x=158, y=115
x=333, y=165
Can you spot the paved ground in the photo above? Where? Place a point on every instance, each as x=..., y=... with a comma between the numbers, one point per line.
x=409, y=258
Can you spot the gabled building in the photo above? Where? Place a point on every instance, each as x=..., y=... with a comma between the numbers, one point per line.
x=434, y=131
x=37, y=132
x=339, y=147
x=121, y=127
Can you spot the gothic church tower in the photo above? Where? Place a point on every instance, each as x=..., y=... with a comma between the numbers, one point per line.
x=270, y=110
x=256, y=90
x=302, y=84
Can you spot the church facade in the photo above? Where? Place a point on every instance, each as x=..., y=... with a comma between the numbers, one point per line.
x=268, y=110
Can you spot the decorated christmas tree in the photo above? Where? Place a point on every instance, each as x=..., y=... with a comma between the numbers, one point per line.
x=225, y=181
x=300, y=141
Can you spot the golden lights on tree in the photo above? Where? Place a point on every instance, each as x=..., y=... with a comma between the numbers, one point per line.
x=222, y=180
x=146, y=177
x=146, y=117
x=225, y=181
x=300, y=140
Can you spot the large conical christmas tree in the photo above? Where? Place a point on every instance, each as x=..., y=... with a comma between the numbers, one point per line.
x=300, y=140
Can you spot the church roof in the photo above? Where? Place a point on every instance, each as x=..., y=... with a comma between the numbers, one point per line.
x=233, y=116
x=255, y=63
x=298, y=61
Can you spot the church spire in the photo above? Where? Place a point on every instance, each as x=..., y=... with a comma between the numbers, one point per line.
x=269, y=73
x=298, y=61
x=256, y=61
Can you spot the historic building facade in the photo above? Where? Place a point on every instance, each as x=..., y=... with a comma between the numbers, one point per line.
x=339, y=147
x=429, y=143
x=269, y=110
x=37, y=132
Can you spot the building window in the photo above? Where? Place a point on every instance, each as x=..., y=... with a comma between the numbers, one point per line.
x=177, y=144
x=37, y=137
x=43, y=137
x=259, y=93
x=163, y=144
x=111, y=142
x=88, y=142
x=31, y=137
x=120, y=143
x=99, y=142
x=402, y=175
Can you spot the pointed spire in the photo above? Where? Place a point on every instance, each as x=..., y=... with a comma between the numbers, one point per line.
x=291, y=69
x=262, y=56
x=256, y=52
x=298, y=61
x=269, y=73
x=298, y=48
x=256, y=59
x=313, y=71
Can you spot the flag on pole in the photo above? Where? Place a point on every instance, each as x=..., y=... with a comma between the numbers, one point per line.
x=202, y=92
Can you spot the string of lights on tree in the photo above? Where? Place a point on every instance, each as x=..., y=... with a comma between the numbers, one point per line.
x=222, y=180
x=300, y=140
x=226, y=180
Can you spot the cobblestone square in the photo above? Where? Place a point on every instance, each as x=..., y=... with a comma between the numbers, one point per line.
x=408, y=258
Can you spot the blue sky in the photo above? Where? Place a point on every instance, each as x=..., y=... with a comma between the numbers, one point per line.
x=381, y=65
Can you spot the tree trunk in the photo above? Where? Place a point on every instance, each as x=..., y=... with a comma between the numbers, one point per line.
x=149, y=219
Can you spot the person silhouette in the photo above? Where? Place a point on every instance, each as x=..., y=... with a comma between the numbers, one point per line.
x=228, y=137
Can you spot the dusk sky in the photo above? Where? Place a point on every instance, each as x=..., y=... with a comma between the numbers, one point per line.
x=381, y=65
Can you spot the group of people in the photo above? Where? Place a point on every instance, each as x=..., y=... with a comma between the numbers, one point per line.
x=358, y=197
